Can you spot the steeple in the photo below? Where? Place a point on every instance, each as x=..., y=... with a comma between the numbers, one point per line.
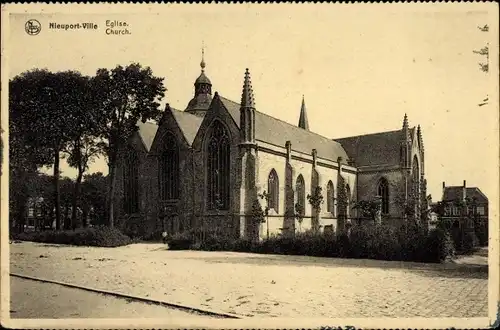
x=419, y=136
x=303, y=122
x=247, y=111
x=406, y=129
x=202, y=91
x=247, y=99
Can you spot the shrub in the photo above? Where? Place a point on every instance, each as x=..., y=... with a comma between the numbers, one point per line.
x=470, y=242
x=439, y=245
x=95, y=236
x=181, y=241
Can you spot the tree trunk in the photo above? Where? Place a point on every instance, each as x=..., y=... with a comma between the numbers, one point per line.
x=111, y=190
x=57, y=196
x=76, y=195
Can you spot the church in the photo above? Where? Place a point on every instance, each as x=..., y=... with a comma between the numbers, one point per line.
x=206, y=165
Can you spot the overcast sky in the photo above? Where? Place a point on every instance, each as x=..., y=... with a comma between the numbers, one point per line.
x=360, y=69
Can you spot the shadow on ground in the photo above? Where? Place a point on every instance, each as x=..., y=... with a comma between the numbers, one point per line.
x=450, y=270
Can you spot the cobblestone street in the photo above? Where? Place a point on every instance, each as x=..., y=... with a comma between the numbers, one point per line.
x=264, y=285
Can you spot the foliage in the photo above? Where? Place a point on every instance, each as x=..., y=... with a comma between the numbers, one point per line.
x=125, y=95
x=406, y=243
x=316, y=199
x=94, y=187
x=367, y=209
x=95, y=236
x=55, y=102
x=258, y=214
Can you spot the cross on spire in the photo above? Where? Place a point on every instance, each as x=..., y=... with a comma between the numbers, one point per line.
x=202, y=64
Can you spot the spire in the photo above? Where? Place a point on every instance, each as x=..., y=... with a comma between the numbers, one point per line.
x=247, y=99
x=303, y=122
x=406, y=129
x=419, y=136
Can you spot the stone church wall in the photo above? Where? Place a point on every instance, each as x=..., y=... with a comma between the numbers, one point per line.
x=368, y=188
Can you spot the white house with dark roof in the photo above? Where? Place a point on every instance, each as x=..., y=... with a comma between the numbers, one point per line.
x=205, y=167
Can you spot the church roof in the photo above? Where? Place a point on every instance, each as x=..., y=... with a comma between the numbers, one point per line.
x=455, y=193
x=202, y=79
x=374, y=149
x=274, y=131
x=147, y=132
x=188, y=123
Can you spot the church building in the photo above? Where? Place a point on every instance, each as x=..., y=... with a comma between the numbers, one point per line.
x=206, y=165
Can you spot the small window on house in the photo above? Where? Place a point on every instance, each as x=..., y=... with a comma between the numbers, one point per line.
x=273, y=190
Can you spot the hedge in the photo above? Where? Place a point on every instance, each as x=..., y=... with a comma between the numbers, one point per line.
x=94, y=236
x=380, y=242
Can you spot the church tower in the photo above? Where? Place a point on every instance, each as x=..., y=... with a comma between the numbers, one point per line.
x=200, y=103
x=303, y=122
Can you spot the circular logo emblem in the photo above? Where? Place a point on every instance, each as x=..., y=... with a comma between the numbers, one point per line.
x=33, y=27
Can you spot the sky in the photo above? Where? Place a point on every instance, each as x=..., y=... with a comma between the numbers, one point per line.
x=359, y=69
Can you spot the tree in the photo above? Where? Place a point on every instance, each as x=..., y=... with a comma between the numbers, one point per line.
x=94, y=186
x=299, y=214
x=46, y=105
x=86, y=143
x=267, y=197
x=316, y=199
x=486, y=53
x=125, y=95
x=368, y=208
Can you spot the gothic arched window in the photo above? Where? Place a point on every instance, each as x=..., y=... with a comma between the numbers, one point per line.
x=348, y=206
x=218, y=168
x=169, y=169
x=273, y=190
x=131, y=182
x=383, y=193
x=300, y=188
x=330, y=198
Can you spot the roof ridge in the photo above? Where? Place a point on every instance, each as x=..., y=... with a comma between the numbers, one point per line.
x=287, y=123
x=369, y=134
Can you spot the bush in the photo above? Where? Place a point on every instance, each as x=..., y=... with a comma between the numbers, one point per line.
x=181, y=241
x=95, y=236
x=470, y=242
x=440, y=246
x=368, y=241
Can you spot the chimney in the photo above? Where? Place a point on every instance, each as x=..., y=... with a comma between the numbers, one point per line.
x=464, y=184
x=443, y=185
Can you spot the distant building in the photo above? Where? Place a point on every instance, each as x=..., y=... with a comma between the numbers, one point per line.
x=466, y=210
x=463, y=200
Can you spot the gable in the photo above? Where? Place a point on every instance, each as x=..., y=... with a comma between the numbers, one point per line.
x=147, y=132
x=274, y=131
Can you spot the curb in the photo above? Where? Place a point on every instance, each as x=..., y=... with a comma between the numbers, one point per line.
x=136, y=298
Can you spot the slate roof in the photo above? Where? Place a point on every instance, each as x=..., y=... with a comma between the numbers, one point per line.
x=374, y=149
x=274, y=131
x=455, y=193
x=147, y=132
x=188, y=123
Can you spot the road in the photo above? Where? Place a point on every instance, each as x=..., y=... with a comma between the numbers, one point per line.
x=32, y=299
